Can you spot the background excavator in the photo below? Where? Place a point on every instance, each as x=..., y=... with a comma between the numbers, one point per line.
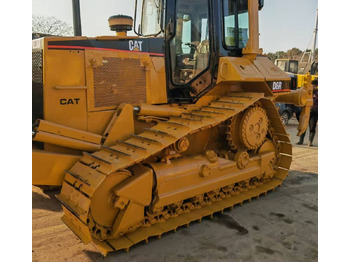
x=298, y=69
x=297, y=74
x=148, y=133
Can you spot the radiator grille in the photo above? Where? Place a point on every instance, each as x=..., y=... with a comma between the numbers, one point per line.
x=37, y=85
x=119, y=80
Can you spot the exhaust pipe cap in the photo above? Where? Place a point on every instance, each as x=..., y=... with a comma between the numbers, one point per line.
x=120, y=23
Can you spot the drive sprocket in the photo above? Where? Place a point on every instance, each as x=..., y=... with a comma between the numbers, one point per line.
x=254, y=127
x=248, y=130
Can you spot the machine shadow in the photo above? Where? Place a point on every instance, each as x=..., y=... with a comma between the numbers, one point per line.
x=46, y=200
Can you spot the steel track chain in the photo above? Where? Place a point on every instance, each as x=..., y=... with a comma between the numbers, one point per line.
x=83, y=179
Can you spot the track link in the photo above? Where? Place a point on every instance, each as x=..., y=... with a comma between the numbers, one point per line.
x=84, y=178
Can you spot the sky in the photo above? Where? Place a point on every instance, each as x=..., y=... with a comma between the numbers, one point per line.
x=284, y=24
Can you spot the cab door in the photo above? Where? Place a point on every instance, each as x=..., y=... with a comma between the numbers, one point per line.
x=188, y=49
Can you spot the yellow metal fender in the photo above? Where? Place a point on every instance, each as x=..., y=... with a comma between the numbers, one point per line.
x=48, y=167
x=133, y=195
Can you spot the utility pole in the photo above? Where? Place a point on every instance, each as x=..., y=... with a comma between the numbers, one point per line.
x=305, y=66
x=314, y=39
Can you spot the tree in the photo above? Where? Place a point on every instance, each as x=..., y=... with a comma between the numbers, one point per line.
x=50, y=25
x=276, y=55
x=272, y=56
x=294, y=53
x=281, y=54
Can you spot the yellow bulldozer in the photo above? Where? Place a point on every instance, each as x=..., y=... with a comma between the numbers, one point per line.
x=148, y=133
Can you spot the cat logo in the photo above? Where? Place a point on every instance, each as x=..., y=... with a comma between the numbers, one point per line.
x=135, y=45
x=69, y=101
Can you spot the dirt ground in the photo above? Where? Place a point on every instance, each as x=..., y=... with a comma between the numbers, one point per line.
x=282, y=226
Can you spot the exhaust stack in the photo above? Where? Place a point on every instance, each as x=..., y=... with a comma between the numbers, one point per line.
x=76, y=17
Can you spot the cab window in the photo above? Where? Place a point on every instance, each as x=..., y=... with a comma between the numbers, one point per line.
x=236, y=23
x=293, y=67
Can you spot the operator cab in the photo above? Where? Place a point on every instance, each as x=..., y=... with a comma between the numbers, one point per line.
x=196, y=34
x=287, y=65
